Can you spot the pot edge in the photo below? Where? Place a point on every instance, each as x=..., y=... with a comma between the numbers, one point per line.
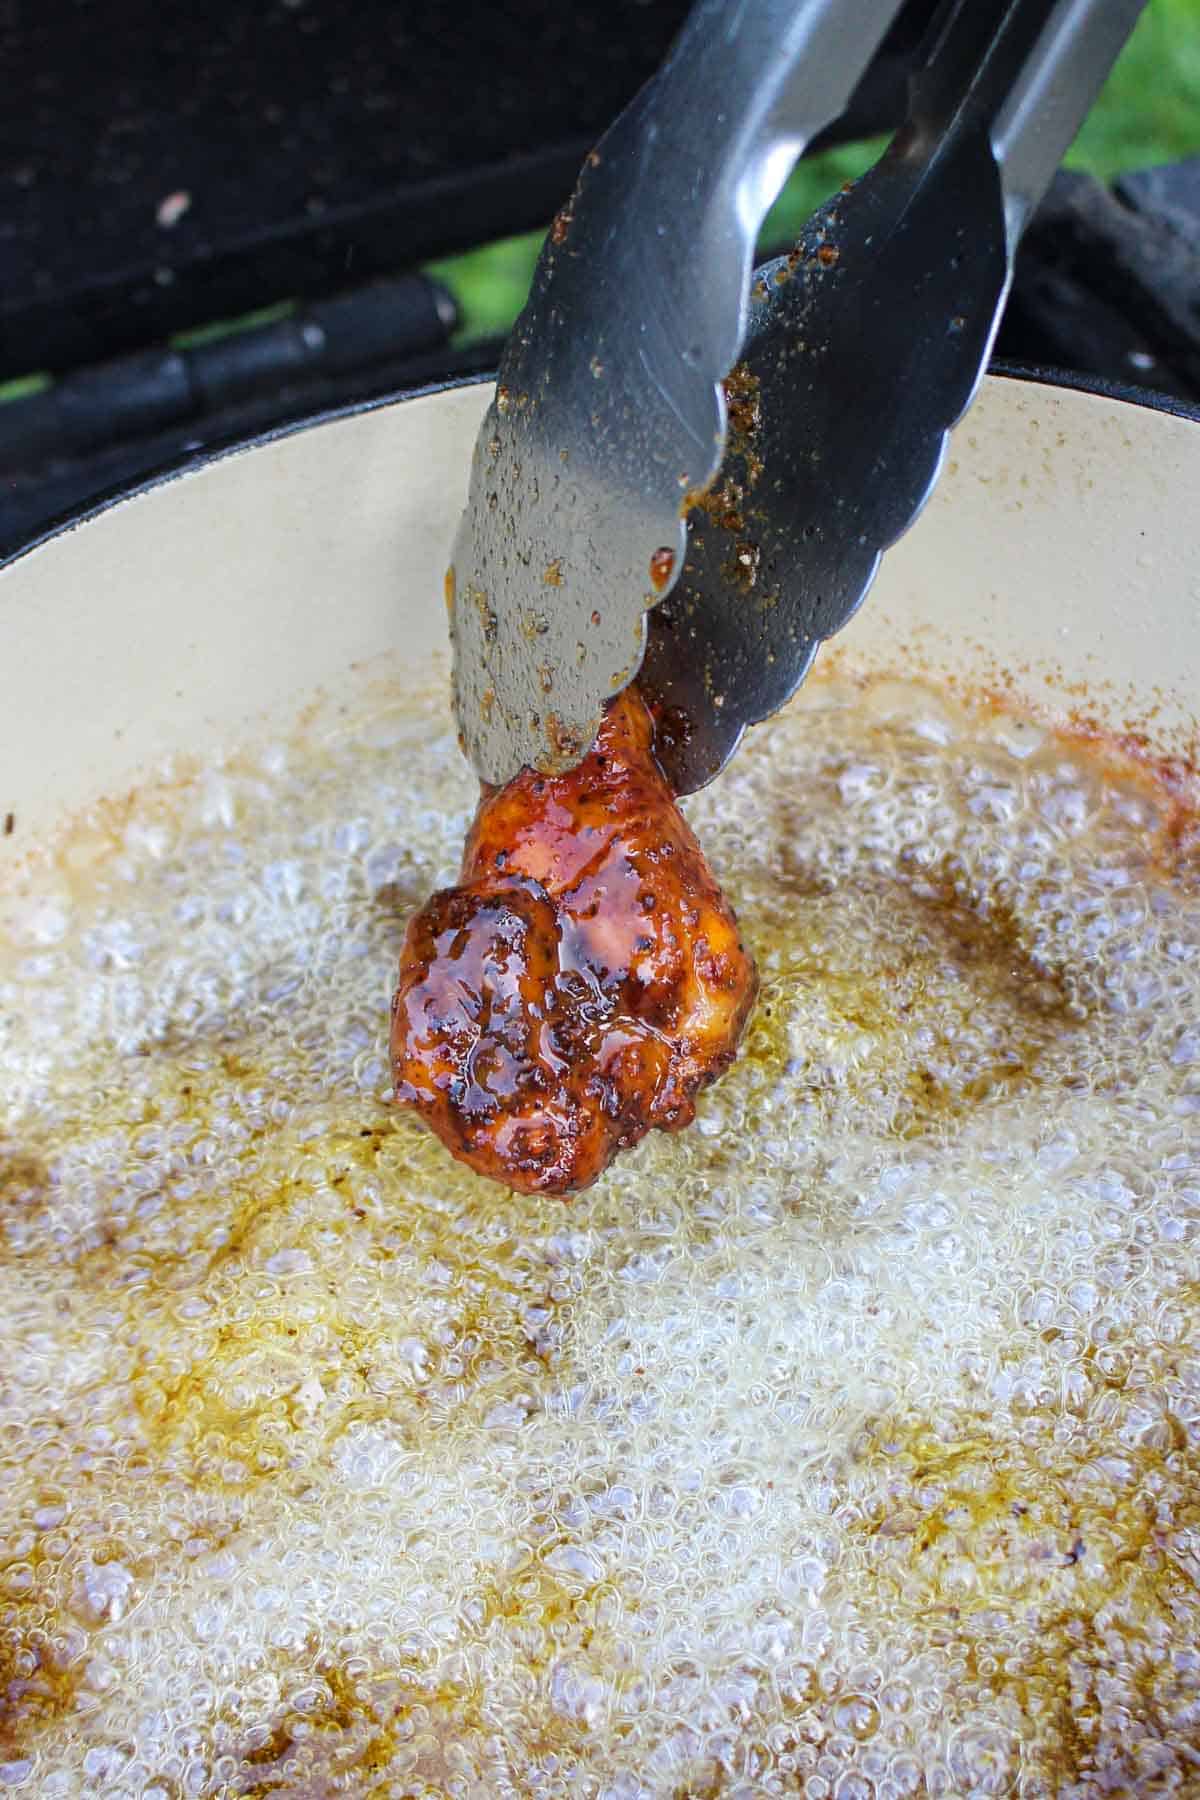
x=1102, y=387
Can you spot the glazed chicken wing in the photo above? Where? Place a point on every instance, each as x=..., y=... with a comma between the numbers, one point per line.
x=584, y=980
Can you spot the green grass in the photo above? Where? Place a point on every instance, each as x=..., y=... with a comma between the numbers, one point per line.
x=182, y=340
x=223, y=328
x=22, y=385
x=490, y=284
x=1148, y=112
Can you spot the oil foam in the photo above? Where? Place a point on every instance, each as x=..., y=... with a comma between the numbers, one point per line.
x=847, y=1443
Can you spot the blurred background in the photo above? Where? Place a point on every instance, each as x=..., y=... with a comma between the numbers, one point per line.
x=220, y=221
x=1148, y=114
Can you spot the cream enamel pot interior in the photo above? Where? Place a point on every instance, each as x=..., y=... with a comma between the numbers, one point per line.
x=842, y=1444
x=1059, y=557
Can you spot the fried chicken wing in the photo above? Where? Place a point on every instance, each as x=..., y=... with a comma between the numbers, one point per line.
x=583, y=982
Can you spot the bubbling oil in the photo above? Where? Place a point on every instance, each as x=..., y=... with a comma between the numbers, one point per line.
x=846, y=1443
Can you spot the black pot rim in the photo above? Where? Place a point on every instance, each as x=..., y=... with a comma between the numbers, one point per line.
x=1101, y=385
x=1127, y=393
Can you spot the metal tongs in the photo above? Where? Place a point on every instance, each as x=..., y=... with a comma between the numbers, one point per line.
x=595, y=546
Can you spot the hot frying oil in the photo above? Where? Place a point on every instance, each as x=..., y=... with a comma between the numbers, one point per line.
x=847, y=1443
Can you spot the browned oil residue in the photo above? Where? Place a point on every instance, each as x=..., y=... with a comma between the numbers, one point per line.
x=973, y=1526
x=564, y=740
x=1176, y=775
x=741, y=569
x=24, y=1179
x=349, y=1740
x=725, y=503
x=661, y=565
x=562, y=225
x=487, y=617
x=743, y=396
x=37, y=1687
x=232, y=1414
x=913, y=1024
